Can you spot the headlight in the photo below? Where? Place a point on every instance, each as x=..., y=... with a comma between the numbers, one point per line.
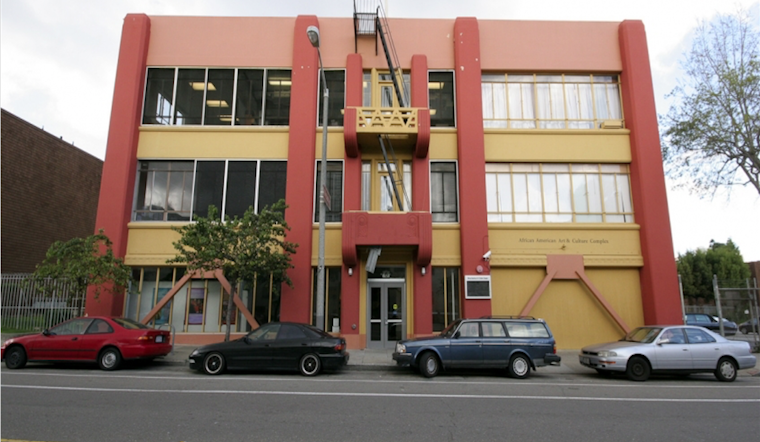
x=400, y=348
x=195, y=353
x=606, y=354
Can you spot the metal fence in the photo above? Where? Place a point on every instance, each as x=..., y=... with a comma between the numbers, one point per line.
x=34, y=305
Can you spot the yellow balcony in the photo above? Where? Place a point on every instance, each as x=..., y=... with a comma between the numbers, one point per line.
x=406, y=128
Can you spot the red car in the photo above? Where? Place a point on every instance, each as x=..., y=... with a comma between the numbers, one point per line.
x=107, y=341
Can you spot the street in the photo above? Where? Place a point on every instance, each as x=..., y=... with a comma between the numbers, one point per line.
x=159, y=403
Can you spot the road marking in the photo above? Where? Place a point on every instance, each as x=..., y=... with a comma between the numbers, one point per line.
x=381, y=395
x=344, y=379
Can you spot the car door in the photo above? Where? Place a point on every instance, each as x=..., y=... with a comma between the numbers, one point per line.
x=60, y=343
x=495, y=344
x=705, y=352
x=94, y=338
x=671, y=351
x=466, y=347
x=290, y=345
x=255, y=350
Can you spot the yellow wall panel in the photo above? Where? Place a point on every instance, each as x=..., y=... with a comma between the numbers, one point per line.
x=333, y=245
x=206, y=142
x=569, y=308
x=446, y=245
x=561, y=146
x=150, y=244
x=443, y=144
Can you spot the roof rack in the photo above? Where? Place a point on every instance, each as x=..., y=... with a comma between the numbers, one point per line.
x=506, y=317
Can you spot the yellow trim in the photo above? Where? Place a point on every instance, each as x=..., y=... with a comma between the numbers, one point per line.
x=558, y=146
x=212, y=142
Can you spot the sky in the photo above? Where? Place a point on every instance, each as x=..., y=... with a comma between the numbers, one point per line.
x=58, y=66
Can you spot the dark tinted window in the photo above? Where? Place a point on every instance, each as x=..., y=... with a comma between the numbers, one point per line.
x=443, y=192
x=277, y=110
x=209, y=186
x=336, y=83
x=288, y=331
x=159, y=91
x=99, y=326
x=272, y=183
x=441, y=98
x=249, y=99
x=188, y=108
x=221, y=83
x=130, y=324
x=241, y=187
x=334, y=183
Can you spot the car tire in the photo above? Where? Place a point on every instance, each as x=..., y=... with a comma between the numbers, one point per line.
x=15, y=357
x=743, y=330
x=310, y=365
x=519, y=366
x=213, y=363
x=429, y=364
x=109, y=359
x=726, y=371
x=638, y=369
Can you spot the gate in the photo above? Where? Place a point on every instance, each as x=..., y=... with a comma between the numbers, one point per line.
x=30, y=305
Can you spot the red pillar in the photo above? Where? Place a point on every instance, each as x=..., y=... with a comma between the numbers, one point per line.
x=299, y=194
x=471, y=151
x=659, y=280
x=423, y=285
x=119, y=168
x=350, y=284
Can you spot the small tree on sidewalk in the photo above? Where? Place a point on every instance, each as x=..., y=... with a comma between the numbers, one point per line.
x=85, y=262
x=241, y=248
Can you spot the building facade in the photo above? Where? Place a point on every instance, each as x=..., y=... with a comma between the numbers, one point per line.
x=489, y=168
x=49, y=193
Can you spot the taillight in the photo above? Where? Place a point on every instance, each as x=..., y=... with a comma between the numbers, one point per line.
x=145, y=338
x=339, y=347
x=554, y=349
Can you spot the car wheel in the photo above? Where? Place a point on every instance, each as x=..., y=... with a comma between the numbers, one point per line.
x=743, y=330
x=213, y=363
x=109, y=359
x=519, y=366
x=429, y=365
x=310, y=365
x=638, y=369
x=604, y=373
x=15, y=358
x=726, y=370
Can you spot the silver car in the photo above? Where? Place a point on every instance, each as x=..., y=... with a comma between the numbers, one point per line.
x=669, y=349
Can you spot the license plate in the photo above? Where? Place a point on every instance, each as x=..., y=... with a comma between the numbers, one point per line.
x=584, y=360
x=159, y=338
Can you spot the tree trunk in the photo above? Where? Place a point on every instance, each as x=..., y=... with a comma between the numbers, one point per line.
x=228, y=315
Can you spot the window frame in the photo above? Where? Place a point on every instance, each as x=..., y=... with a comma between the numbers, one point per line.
x=453, y=99
x=456, y=190
x=333, y=200
x=233, y=117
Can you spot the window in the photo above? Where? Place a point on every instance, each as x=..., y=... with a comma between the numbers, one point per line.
x=378, y=89
x=378, y=192
x=581, y=193
x=443, y=191
x=336, y=83
x=334, y=183
x=210, y=97
x=332, y=298
x=172, y=190
x=441, y=99
x=446, y=306
x=518, y=101
x=164, y=191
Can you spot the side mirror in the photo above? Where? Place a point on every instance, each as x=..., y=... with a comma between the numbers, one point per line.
x=663, y=341
x=46, y=332
x=457, y=334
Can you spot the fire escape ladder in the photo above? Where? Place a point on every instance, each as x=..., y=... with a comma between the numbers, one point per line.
x=394, y=183
x=392, y=58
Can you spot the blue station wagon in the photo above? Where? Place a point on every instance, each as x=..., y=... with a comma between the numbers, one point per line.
x=515, y=343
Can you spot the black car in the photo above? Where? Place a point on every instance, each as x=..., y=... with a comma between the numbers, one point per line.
x=749, y=326
x=274, y=346
x=516, y=344
x=711, y=323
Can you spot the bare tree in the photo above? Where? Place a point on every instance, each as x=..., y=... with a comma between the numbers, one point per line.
x=711, y=136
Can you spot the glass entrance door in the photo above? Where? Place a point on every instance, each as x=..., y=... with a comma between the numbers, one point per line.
x=387, y=313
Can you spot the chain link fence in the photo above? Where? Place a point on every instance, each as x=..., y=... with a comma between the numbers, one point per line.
x=30, y=305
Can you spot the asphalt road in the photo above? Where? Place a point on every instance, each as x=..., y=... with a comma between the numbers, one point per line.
x=147, y=403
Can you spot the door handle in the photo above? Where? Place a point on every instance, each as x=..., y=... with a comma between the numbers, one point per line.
x=74, y=338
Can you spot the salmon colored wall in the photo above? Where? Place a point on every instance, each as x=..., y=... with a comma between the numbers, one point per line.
x=659, y=281
x=222, y=41
x=536, y=46
x=118, y=179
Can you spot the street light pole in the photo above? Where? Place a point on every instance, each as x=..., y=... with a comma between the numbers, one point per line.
x=313, y=33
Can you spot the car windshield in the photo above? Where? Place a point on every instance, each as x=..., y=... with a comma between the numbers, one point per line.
x=449, y=331
x=129, y=324
x=644, y=335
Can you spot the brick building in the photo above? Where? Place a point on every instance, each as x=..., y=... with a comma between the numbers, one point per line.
x=489, y=168
x=49, y=193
